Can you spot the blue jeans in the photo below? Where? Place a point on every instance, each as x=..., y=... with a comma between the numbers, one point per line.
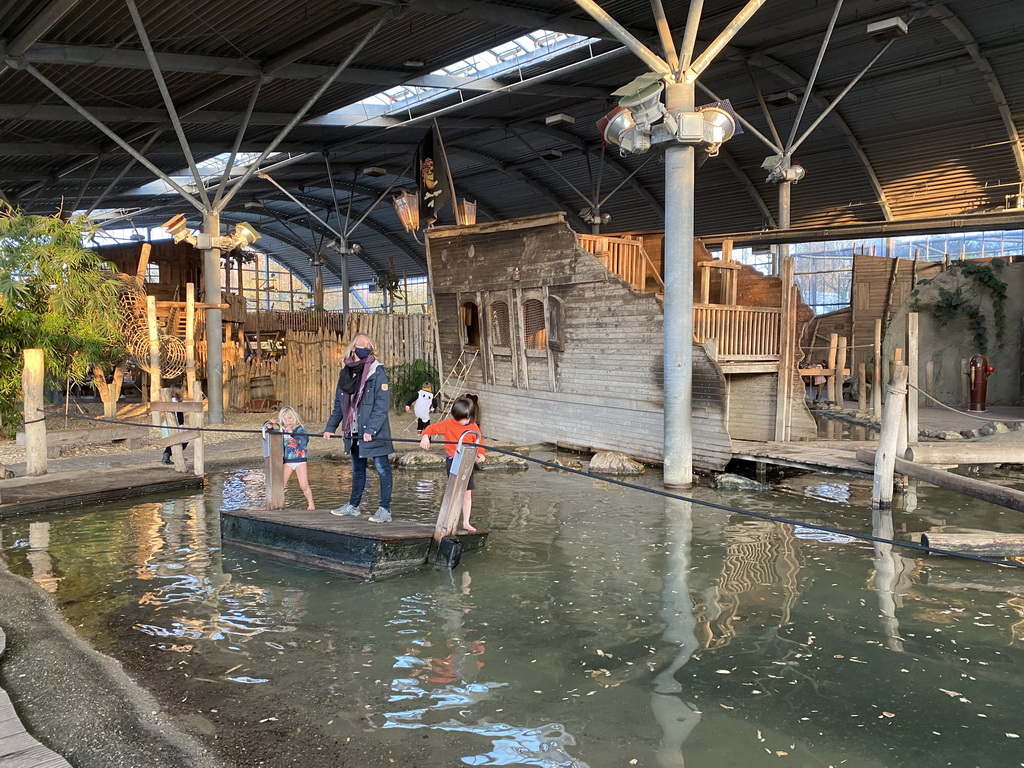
x=383, y=466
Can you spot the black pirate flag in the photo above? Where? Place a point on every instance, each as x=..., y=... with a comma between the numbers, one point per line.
x=435, y=178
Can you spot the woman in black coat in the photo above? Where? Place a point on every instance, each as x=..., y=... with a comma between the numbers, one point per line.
x=362, y=400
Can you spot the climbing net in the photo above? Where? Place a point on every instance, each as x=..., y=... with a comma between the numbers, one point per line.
x=135, y=328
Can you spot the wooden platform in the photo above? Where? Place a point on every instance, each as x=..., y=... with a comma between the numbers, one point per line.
x=60, y=490
x=352, y=546
x=835, y=456
x=17, y=748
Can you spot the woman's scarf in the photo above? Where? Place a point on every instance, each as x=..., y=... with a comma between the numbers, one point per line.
x=353, y=382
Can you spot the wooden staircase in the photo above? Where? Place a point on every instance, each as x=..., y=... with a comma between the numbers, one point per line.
x=625, y=256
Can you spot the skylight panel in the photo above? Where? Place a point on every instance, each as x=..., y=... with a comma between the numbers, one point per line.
x=503, y=59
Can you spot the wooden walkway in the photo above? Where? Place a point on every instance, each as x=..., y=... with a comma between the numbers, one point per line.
x=830, y=456
x=352, y=546
x=17, y=748
x=60, y=490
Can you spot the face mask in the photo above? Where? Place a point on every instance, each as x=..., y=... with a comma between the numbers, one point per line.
x=362, y=352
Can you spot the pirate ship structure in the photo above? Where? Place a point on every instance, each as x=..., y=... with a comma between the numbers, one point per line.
x=560, y=336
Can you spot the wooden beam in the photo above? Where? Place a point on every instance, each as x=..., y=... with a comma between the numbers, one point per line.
x=988, y=543
x=966, y=453
x=968, y=486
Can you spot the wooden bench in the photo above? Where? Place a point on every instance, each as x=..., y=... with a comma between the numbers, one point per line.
x=59, y=438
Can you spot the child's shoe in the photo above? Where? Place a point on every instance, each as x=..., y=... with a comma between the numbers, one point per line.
x=347, y=511
x=380, y=516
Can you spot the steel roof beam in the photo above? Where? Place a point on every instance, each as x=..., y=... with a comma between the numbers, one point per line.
x=959, y=30
x=122, y=58
x=39, y=26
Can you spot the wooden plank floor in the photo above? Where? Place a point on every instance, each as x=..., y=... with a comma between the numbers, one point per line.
x=59, y=490
x=349, y=545
x=17, y=748
x=837, y=456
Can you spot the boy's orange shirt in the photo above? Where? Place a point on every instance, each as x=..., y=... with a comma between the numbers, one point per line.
x=450, y=431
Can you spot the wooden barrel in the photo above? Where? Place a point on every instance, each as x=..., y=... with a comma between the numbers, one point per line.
x=261, y=388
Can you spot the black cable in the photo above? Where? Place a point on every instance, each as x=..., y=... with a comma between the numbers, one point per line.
x=632, y=486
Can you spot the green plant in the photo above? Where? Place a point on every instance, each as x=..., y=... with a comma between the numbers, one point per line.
x=56, y=296
x=953, y=303
x=407, y=378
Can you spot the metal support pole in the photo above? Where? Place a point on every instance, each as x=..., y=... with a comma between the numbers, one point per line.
x=785, y=207
x=214, y=326
x=678, y=384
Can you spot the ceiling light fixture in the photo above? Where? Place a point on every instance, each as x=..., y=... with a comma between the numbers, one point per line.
x=561, y=119
x=407, y=206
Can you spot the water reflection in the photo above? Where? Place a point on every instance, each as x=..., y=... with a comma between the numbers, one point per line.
x=39, y=557
x=891, y=579
x=439, y=675
x=675, y=715
x=599, y=626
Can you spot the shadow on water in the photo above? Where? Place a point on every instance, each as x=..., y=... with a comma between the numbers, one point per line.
x=601, y=626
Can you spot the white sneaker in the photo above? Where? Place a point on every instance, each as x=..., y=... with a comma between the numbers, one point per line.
x=347, y=511
x=380, y=516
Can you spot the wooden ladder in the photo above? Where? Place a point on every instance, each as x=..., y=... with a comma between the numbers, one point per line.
x=453, y=384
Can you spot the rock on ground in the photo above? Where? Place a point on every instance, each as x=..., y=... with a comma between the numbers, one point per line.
x=615, y=463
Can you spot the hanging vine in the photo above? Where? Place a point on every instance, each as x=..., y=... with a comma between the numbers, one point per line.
x=953, y=303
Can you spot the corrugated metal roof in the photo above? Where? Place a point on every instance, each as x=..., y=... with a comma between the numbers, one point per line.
x=924, y=121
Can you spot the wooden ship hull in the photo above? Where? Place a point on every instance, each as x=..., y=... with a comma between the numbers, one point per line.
x=560, y=336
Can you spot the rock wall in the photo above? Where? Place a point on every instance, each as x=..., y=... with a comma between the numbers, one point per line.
x=947, y=346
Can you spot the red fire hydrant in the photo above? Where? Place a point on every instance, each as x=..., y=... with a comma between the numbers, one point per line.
x=980, y=371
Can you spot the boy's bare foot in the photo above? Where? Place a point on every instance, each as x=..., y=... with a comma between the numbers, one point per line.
x=469, y=528
x=311, y=508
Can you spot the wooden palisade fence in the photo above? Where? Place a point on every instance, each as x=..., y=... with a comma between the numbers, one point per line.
x=305, y=376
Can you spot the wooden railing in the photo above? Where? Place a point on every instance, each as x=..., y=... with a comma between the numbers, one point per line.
x=308, y=321
x=740, y=333
x=626, y=258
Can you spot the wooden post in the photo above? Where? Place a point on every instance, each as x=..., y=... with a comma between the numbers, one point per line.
x=965, y=382
x=35, y=427
x=833, y=343
x=454, y=494
x=876, y=382
x=913, y=379
x=273, y=462
x=170, y=419
x=841, y=369
x=190, y=340
x=140, y=270
x=155, y=379
x=862, y=387
x=787, y=339
x=929, y=383
x=885, y=456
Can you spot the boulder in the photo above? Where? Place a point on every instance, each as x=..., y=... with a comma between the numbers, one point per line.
x=615, y=463
x=993, y=428
x=568, y=464
x=731, y=482
x=502, y=462
x=419, y=460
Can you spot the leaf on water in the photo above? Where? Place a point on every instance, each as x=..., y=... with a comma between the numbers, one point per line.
x=723, y=672
x=1013, y=735
x=888, y=714
x=781, y=753
x=954, y=694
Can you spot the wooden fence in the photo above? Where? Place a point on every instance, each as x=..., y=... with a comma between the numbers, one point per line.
x=742, y=333
x=307, y=320
x=625, y=257
x=306, y=375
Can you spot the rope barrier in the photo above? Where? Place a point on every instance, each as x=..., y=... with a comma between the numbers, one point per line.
x=643, y=489
x=962, y=413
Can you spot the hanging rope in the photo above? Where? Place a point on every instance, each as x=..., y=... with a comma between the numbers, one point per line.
x=643, y=489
